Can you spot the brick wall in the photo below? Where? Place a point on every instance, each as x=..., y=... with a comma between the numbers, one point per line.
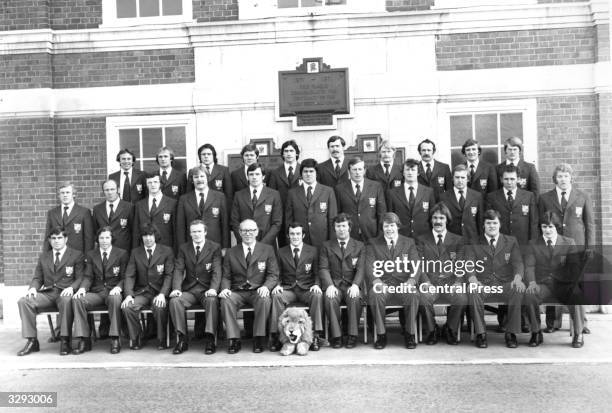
x=603, y=42
x=23, y=71
x=24, y=14
x=141, y=67
x=75, y=14
x=408, y=5
x=215, y=10
x=605, y=152
x=486, y=50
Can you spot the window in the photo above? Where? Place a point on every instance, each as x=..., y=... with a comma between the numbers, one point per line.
x=144, y=135
x=455, y=4
x=148, y=8
x=309, y=3
x=259, y=9
x=137, y=12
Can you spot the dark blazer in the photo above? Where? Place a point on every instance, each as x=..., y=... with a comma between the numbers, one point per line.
x=452, y=250
x=164, y=219
x=467, y=222
x=78, y=227
x=240, y=181
x=441, y=178
x=415, y=222
x=278, y=180
x=97, y=279
x=176, y=185
x=215, y=217
x=498, y=268
x=484, y=179
x=562, y=266
x=377, y=173
x=219, y=180
x=326, y=173
x=306, y=273
x=316, y=217
x=367, y=213
x=268, y=213
x=121, y=225
x=528, y=178
x=68, y=274
x=520, y=221
x=577, y=218
x=205, y=272
x=138, y=184
x=262, y=270
x=377, y=250
x=333, y=270
x=154, y=277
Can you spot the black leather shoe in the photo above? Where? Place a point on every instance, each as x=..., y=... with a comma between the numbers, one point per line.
x=315, y=346
x=83, y=346
x=274, y=344
x=500, y=329
x=115, y=345
x=381, y=342
x=103, y=330
x=336, y=342
x=578, y=341
x=64, y=346
x=536, y=339
x=481, y=341
x=181, y=345
x=451, y=338
x=432, y=338
x=161, y=344
x=209, y=347
x=351, y=341
x=550, y=329
x=410, y=341
x=233, y=346
x=586, y=330
x=525, y=329
x=511, y=340
x=31, y=346
x=257, y=344
x=138, y=343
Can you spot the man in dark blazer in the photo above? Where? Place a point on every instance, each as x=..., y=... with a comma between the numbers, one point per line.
x=334, y=170
x=387, y=172
x=498, y=275
x=433, y=173
x=101, y=287
x=147, y=283
x=552, y=269
x=363, y=200
x=481, y=175
x=465, y=206
x=528, y=178
x=313, y=205
x=398, y=286
x=259, y=203
x=250, y=272
x=116, y=214
x=240, y=178
x=342, y=273
x=75, y=219
x=219, y=177
x=57, y=276
x=517, y=207
x=173, y=182
x=157, y=209
x=196, y=280
x=298, y=282
x=412, y=202
x=439, y=248
x=131, y=182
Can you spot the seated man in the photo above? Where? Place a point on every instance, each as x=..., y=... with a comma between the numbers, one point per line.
x=147, y=283
x=101, y=287
x=552, y=268
x=342, y=270
x=298, y=282
x=439, y=248
x=250, y=271
x=58, y=273
x=197, y=278
x=498, y=275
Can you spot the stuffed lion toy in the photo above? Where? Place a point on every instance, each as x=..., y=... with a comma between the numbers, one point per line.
x=295, y=331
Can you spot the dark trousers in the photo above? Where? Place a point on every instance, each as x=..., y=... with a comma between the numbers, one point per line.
x=237, y=300
x=409, y=300
x=187, y=299
x=45, y=301
x=332, y=309
x=565, y=293
x=92, y=301
x=510, y=296
x=132, y=316
x=457, y=301
x=297, y=294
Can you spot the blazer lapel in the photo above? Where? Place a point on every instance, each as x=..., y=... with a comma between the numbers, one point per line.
x=302, y=196
x=283, y=174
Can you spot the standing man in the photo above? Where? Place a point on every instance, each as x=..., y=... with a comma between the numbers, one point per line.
x=157, y=209
x=528, y=178
x=342, y=272
x=250, y=272
x=412, y=202
x=240, y=178
x=147, y=283
x=218, y=176
x=313, y=205
x=196, y=280
x=173, y=182
x=363, y=200
x=481, y=174
x=58, y=274
x=433, y=173
x=132, y=182
x=387, y=172
x=334, y=170
x=116, y=214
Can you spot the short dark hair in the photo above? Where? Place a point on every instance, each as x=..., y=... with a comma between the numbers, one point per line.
x=460, y=168
x=334, y=138
x=197, y=169
x=212, y=149
x=105, y=229
x=550, y=218
x=354, y=161
x=471, y=142
x=308, y=163
x=198, y=222
x=426, y=141
x=150, y=229
x=153, y=175
x=440, y=208
x=123, y=152
x=57, y=230
x=293, y=143
x=295, y=224
x=410, y=163
x=343, y=217
x=255, y=166
x=491, y=214
x=510, y=169
x=391, y=218
x=251, y=147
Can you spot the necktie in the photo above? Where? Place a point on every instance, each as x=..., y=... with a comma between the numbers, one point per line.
x=550, y=247
x=563, y=201
x=428, y=171
x=153, y=207
x=337, y=169
x=149, y=254
x=111, y=213
x=357, y=192
x=254, y=200
x=411, y=199
x=127, y=195
x=342, y=249
x=511, y=163
x=201, y=204
x=309, y=194
x=164, y=178
x=387, y=171
x=207, y=169
x=56, y=263
x=492, y=242
x=296, y=256
x=471, y=172
x=248, y=257
x=440, y=244
x=510, y=200
x=392, y=248
x=104, y=262
x=461, y=200
x=197, y=252
x=65, y=216
x=290, y=175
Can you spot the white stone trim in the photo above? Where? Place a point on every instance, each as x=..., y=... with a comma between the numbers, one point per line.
x=263, y=9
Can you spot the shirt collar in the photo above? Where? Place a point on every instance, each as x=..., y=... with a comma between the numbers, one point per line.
x=457, y=195
x=514, y=191
x=431, y=164
x=61, y=252
x=414, y=187
x=489, y=239
x=567, y=193
x=388, y=241
x=201, y=245
x=313, y=185
x=168, y=171
x=435, y=235
x=293, y=165
x=345, y=242
x=157, y=197
x=382, y=164
x=152, y=249
x=333, y=160
x=515, y=163
x=70, y=206
x=245, y=248
x=298, y=247
x=108, y=251
x=353, y=183
x=475, y=163
x=259, y=189
x=115, y=203
x=553, y=239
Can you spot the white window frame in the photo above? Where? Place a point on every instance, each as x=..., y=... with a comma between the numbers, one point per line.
x=460, y=4
x=527, y=107
x=260, y=9
x=116, y=123
x=110, y=19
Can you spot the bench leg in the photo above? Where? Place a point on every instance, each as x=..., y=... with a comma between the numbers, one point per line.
x=50, y=320
x=365, y=325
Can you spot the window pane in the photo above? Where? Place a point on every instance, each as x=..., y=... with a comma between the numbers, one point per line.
x=456, y=157
x=490, y=155
x=334, y=2
x=460, y=129
x=172, y=7
x=511, y=125
x=150, y=166
x=311, y=3
x=287, y=3
x=180, y=164
x=126, y=8
x=151, y=141
x=486, y=129
x=149, y=8
x=175, y=138
x=129, y=138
